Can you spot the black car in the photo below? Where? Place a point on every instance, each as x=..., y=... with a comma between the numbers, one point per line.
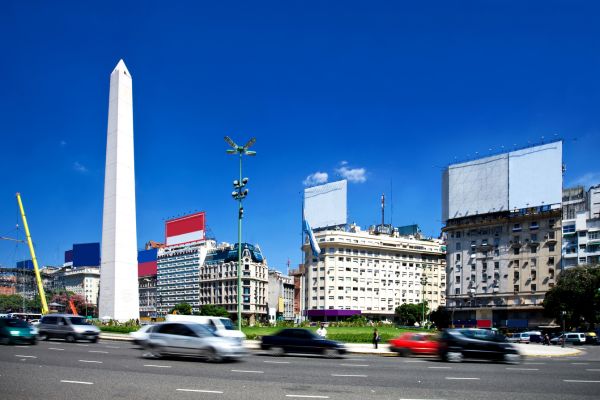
x=295, y=340
x=458, y=344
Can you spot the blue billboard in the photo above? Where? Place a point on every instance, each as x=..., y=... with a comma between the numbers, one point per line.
x=86, y=255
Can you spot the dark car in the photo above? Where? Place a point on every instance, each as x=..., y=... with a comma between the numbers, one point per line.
x=301, y=341
x=458, y=344
x=13, y=330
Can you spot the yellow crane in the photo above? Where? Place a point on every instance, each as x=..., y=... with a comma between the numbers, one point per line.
x=38, y=277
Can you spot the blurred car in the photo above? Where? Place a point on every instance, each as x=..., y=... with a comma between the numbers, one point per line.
x=591, y=338
x=191, y=340
x=68, y=327
x=14, y=330
x=141, y=335
x=296, y=340
x=458, y=344
x=414, y=343
x=575, y=338
x=519, y=337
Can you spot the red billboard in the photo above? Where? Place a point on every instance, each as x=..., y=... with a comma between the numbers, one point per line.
x=189, y=228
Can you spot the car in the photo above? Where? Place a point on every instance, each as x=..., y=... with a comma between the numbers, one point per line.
x=457, y=344
x=297, y=340
x=591, y=338
x=221, y=326
x=520, y=337
x=191, y=339
x=14, y=330
x=67, y=326
x=414, y=343
x=575, y=338
x=141, y=335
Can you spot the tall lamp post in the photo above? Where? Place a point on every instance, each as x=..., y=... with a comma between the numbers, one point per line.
x=239, y=193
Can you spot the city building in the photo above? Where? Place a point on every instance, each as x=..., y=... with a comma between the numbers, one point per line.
x=21, y=279
x=84, y=281
x=203, y=272
x=281, y=297
x=581, y=226
x=147, y=269
x=502, y=218
x=371, y=273
x=298, y=277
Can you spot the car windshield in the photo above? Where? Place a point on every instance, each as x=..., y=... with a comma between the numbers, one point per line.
x=16, y=323
x=78, y=321
x=228, y=324
x=202, y=330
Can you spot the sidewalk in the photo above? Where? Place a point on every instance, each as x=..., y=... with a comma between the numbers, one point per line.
x=529, y=350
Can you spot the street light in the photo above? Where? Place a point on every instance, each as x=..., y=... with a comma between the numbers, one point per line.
x=423, y=283
x=563, y=313
x=239, y=193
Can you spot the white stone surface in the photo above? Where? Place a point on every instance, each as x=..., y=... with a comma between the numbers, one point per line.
x=118, y=270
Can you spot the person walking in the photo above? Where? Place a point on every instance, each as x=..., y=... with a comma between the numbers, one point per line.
x=322, y=332
x=376, y=338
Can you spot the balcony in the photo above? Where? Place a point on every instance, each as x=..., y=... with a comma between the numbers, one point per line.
x=515, y=243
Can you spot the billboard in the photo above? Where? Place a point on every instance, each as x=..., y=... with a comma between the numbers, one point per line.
x=147, y=262
x=190, y=228
x=86, y=255
x=529, y=177
x=325, y=205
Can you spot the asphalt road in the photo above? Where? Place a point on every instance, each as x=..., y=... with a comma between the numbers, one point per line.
x=117, y=370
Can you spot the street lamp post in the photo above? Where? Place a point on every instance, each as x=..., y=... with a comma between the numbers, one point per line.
x=423, y=283
x=563, y=313
x=239, y=193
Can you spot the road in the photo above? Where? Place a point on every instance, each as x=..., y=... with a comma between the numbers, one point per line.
x=117, y=370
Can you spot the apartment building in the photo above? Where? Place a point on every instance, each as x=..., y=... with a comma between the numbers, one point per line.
x=371, y=273
x=281, y=297
x=581, y=226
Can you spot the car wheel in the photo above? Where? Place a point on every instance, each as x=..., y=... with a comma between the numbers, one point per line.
x=212, y=356
x=33, y=342
x=512, y=358
x=454, y=356
x=153, y=352
x=94, y=340
x=70, y=338
x=330, y=353
x=404, y=353
x=277, y=351
x=42, y=336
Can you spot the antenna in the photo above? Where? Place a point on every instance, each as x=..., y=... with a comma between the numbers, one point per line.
x=382, y=209
x=392, y=201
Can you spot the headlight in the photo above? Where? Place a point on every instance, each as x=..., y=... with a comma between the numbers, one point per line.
x=16, y=333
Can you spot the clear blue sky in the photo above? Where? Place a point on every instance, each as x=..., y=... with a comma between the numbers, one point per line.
x=395, y=89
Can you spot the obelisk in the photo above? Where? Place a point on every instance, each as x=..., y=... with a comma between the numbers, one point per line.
x=118, y=270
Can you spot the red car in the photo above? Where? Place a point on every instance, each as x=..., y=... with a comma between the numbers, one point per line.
x=414, y=343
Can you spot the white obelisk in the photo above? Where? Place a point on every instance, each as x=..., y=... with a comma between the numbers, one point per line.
x=118, y=271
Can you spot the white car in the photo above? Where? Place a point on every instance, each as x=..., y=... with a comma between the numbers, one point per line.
x=141, y=335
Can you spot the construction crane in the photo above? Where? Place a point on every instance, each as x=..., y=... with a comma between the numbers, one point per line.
x=38, y=277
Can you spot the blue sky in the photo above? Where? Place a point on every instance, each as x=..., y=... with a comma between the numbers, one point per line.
x=390, y=91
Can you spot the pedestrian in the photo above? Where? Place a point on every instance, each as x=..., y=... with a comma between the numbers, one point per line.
x=546, y=340
x=322, y=332
x=376, y=338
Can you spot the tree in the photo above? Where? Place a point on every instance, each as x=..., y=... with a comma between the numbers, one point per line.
x=11, y=303
x=215, y=311
x=577, y=293
x=181, y=308
x=81, y=305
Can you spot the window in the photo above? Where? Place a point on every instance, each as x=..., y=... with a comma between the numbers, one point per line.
x=458, y=279
x=551, y=248
x=516, y=227
x=533, y=287
x=533, y=225
x=457, y=245
x=496, y=265
x=516, y=251
x=550, y=260
x=534, y=237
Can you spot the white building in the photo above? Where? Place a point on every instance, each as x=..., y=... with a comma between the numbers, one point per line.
x=281, y=297
x=84, y=281
x=371, y=273
x=581, y=226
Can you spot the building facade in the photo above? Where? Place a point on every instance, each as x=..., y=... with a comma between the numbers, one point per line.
x=501, y=265
x=147, y=268
x=84, y=281
x=200, y=273
x=281, y=297
x=371, y=273
x=581, y=226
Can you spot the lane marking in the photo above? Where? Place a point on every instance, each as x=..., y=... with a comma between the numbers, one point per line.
x=91, y=361
x=112, y=347
x=440, y=367
x=422, y=399
x=354, y=365
x=580, y=363
x=79, y=382
x=534, y=363
x=350, y=376
x=98, y=351
x=305, y=396
x=55, y=348
x=199, y=391
x=23, y=347
x=248, y=371
x=522, y=369
x=354, y=359
x=277, y=362
x=82, y=345
x=22, y=356
x=454, y=378
x=593, y=369
x=578, y=381
x=157, y=366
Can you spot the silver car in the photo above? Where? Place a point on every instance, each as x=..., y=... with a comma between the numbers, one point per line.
x=68, y=327
x=191, y=340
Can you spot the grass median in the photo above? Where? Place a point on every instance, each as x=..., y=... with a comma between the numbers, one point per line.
x=343, y=334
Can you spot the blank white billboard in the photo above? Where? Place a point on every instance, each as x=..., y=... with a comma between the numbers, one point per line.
x=477, y=187
x=326, y=205
x=530, y=177
x=535, y=176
